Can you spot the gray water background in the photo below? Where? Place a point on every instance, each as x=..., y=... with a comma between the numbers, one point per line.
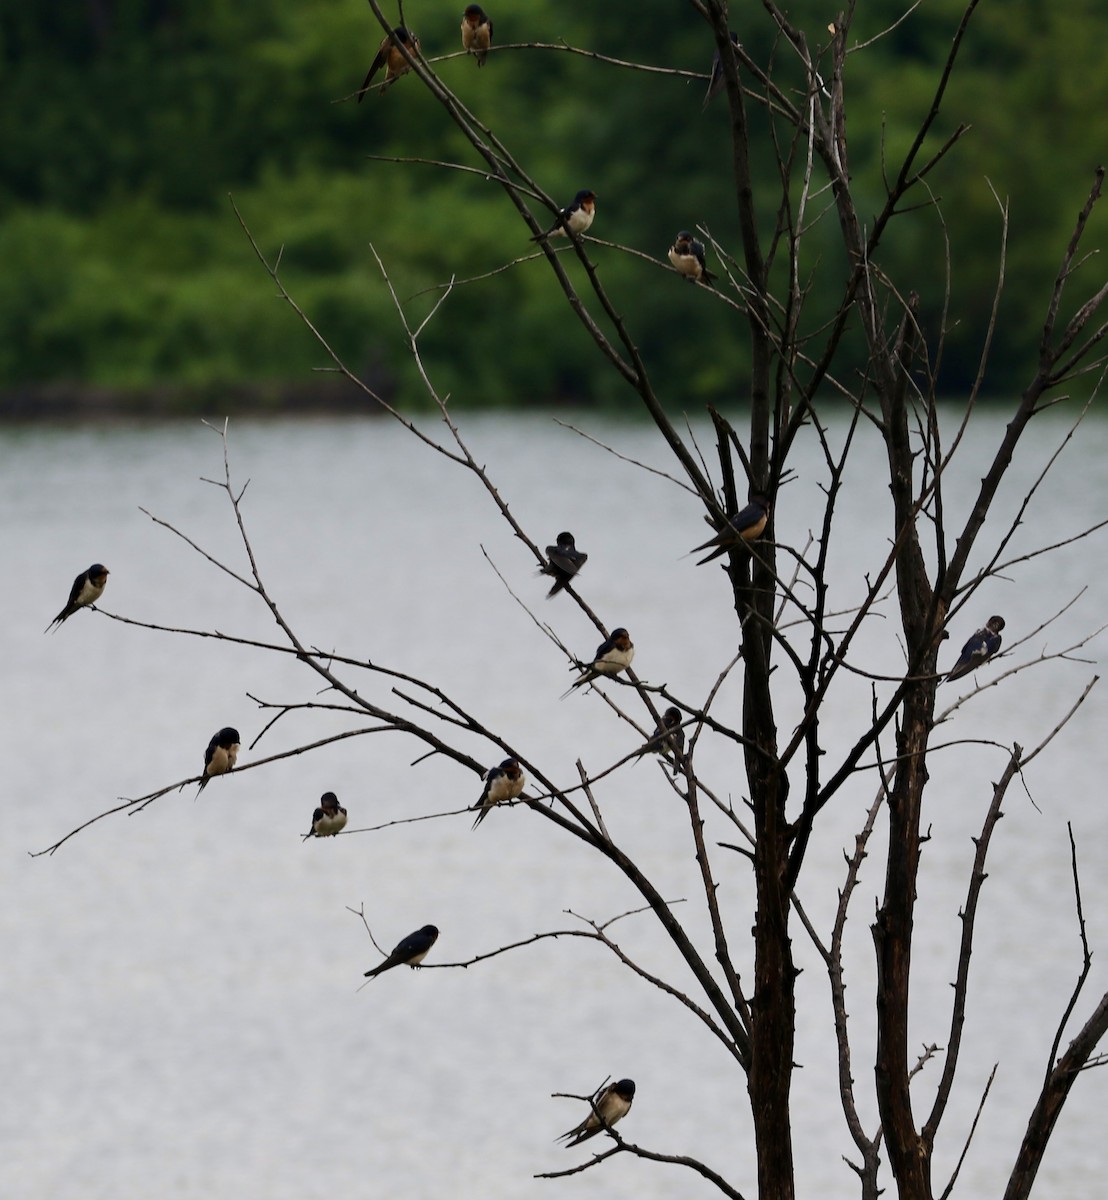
x=180, y=1014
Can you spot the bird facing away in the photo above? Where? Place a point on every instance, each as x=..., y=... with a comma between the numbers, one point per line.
x=476, y=33
x=575, y=217
x=86, y=590
x=613, y=655
x=980, y=648
x=563, y=562
x=328, y=819
x=609, y=1105
x=504, y=782
x=668, y=739
x=741, y=529
x=687, y=256
x=715, y=81
x=410, y=951
x=221, y=755
x=391, y=57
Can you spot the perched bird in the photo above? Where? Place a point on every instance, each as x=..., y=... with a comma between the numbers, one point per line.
x=501, y=783
x=576, y=217
x=715, y=81
x=411, y=950
x=741, y=529
x=613, y=655
x=564, y=561
x=476, y=32
x=609, y=1105
x=980, y=648
x=221, y=755
x=328, y=819
x=668, y=739
x=391, y=57
x=87, y=589
x=687, y=256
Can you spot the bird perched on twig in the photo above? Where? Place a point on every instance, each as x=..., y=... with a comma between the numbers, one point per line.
x=741, y=529
x=609, y=1105
x=564, y=561
x=715, y=79
x=328, y=819
x=221, y=755
x=476, y=33
x=613, y=655
x=391, y=57
x=504, y=782
x=668, y=739
x=980, y=648
x=575, y=217
x=409, y=951
x=86, y=590
x=687, y=256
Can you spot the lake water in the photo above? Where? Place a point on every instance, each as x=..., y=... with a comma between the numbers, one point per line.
x=181, y=1013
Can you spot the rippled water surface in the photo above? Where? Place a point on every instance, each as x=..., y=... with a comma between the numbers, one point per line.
x=181, y=1013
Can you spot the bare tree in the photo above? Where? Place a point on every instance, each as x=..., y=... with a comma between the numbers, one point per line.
x=874, y=359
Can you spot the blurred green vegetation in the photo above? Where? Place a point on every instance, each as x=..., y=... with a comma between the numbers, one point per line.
x=126, y=124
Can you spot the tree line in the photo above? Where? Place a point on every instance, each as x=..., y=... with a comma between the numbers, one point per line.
x=125, y=127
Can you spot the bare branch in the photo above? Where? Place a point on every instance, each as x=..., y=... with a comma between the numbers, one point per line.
x=965, y=950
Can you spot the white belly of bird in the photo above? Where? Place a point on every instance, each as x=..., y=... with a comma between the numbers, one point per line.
x=327, y=826
x=614, y=661
x=90, y=593
x=579, y=221
x=503, y=788
x=686, y=264
x=223, y=760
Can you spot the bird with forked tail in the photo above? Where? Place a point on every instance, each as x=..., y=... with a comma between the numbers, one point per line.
x=743, y=528
x=609, y=1105
x=86, y=590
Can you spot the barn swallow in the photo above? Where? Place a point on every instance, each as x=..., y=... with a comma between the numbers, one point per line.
x=687, y=256
x=613, y=655
x=328, y=819
x=221, y=755
x=741, y=529
x=476, y=32
x=668, y=739
x=564, y=561
x=411, y=950
x=501, y=783
x=391, y=57
x=609, y=1105
x=980, y=648
x=87, y=589
x=577, y=217
x=715, y=82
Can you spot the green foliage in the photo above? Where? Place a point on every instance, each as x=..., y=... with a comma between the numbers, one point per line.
x=124, y=265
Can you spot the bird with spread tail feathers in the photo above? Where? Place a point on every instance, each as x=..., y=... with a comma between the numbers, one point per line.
x=409, y=951
x=86, y=590
x=391, y=57
x=741, y=529
x=221, y=755
x=979, y=649
x=328, y=819
x=476, y=33
x=563, y=562
x=502, y=783
x=609, y=1105
x=576, y=217
x=687, y=256
x=613, y=655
